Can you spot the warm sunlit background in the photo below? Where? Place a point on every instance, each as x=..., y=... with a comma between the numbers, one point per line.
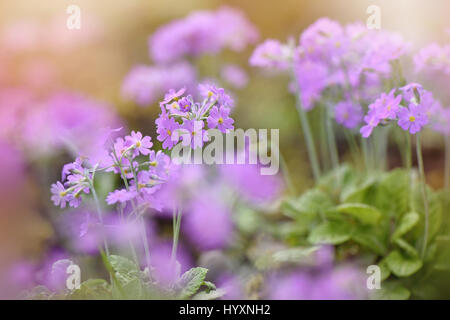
x=39, y=54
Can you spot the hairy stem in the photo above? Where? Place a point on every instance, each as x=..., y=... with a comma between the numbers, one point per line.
x=424, y=194
x=176, y=223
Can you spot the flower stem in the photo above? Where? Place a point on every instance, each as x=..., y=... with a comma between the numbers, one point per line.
x=331, y=140
x=309, y=140
x=177, y=213
x=312, y=154
x=424, y=194
x=100, y=216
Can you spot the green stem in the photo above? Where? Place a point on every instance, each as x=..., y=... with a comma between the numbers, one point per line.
x=424, y=194
x=309, y=140
x=312, y=154
x=409, y=168
x=365, y=149
x=177, y=213
x=100, y=216
x=353, y=145
x=287, y=176
x=331, y=140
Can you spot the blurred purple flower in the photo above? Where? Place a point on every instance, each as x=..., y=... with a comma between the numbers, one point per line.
x=234, y=76
x=146, y=84
x=348, y=114
x=207, y=222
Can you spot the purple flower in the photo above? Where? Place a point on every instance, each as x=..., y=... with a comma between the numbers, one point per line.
x=146, y=84
x=412, y=90
x=219, y=118
x=387, y=106
x=208, y=223
x=372, y=120
x=348, y=114
x=211, y=92
x=72, y=167
x=173, y=95
x=193, y=133
x=202, y=32
x=159, y=164
x=121, y=196
x=166, y=132
x=271, y=54
x=141, y=144
x=412, y=119
x=312, y=78
x=433, y=58
x=59, y=194
x=234, y=76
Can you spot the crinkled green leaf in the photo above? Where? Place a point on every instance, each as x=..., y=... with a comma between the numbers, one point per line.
x=330, y=232
x=406, y=223
x=401, y=265
x=371, y=238
x=391, y=291
x=364, y=213
x=407, y=248
x=190, y=282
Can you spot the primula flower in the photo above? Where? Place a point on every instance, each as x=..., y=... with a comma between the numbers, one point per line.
x=219, y=118
x=234, y=76
x=121, y=196
x=387, y=105
x=141, y=144
x=372, y=120
x=211, y=92
x=59, y=194
x=348, y=114
x=312, y=78
x=412, y=119
x=146, y=84
x=159, y=163
x=193, y=133
x=271, y=54
x=166, y=133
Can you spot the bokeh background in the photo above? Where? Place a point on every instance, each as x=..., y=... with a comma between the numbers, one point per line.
x=38, y=54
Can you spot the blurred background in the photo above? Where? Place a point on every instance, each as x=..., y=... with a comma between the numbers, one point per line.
x=40, y=56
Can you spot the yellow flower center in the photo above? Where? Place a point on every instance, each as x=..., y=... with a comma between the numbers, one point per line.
x=169, y=132
x=412, y=118
x=138, y=144
x=389, y=107
x=153, y=163
x=220, y=120
x=210, y=94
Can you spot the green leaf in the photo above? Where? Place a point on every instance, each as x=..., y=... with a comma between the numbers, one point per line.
x=92, y=289
x=391, y=291
x=402, y=266
x=363, y=212
x=394, y=192
x=125, y=269
x=190, y=282
x=212, y=295
x=330, y=232
x=409, y=249
x=314, y=202
x=293, y=255
x=370, y=237
x=385, y=271
x=407, y=222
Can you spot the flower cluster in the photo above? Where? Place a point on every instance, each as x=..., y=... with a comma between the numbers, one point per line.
x=202, y=32
x=183, y=118
x=388, y=107
x=141, y=179
x=76, y=180
x=433, y=57
x=350, y=57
